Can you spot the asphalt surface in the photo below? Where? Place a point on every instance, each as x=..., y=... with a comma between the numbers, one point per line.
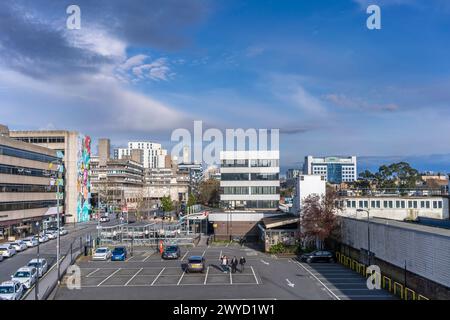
x=146, y=276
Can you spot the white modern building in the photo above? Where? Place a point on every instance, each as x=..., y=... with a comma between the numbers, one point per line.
x=308, y=185
x=335, y=169
x=250, y=179
x=153, y=155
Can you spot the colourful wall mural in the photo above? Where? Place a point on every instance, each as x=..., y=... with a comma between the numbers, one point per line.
x=83, y=178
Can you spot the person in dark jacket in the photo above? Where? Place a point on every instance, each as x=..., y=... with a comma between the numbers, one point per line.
x=242, y=262
x=234, y=263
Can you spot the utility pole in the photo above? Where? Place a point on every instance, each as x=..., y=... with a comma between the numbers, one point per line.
x=36, y=290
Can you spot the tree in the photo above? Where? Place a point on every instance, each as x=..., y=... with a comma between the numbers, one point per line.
x=209, y=192
x=166, y=203
x=396, y=175
x=191, y=200
x=319, y=220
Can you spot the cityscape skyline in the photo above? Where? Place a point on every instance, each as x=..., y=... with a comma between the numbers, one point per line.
x=342, y=87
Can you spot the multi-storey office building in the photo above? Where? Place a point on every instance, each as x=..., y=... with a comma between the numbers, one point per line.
x=335, y=169
x=250, y=179
x=27, y=187
x=75, y=149
x=153, y=156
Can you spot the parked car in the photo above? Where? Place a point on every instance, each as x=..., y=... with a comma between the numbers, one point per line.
x=51, y=234
x=317, y=256
x=11, y=290
x=171, y=252
x=119, y=254
x=26, y=276
x=104, y=219
x=62, y=231
x=42, y=238
x=41, y=265
x=31, y=242
x=195, y=264
x=7, y=250
x=102, y=254
x=19, y=245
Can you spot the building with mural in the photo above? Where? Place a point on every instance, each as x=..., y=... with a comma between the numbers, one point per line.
x=75, y=149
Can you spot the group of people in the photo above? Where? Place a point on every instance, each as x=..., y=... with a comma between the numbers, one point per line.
x=225, y=264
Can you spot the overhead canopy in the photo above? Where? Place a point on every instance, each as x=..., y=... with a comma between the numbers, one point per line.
x=280, y=221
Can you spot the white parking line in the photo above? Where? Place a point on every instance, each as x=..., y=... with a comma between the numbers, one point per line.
x=92, y=272
x=133, y=276
x=159, y=274
x=181, y=278
x=129, y=258
x=231, y=277
x=256, y=279
x=332, y=293
x=206, y=277
x=185, y=255
x=203, y=254
x=220, y=255
x=148, y=257
x=109, y=277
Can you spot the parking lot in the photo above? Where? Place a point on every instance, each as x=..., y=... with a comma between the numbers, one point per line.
x=144, y=274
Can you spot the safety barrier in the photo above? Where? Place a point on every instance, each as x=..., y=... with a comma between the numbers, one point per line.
x=387, y=283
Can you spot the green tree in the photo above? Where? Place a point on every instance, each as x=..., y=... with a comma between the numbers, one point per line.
x=167, y=204
x=191, y=200
x=209, y=192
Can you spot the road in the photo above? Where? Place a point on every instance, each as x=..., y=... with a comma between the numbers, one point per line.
x=48, y=250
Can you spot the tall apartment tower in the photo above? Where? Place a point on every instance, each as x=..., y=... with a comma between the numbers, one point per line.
x=104, y=151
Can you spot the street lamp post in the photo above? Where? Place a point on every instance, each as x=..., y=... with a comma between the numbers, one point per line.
x=368, y=231
x=58, y=242
x=36, y=290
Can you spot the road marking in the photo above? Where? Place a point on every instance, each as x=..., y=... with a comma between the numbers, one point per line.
x=181, y=278
x=256, y=279
x=289, y=283
x=185, y=255
x=109, y=277
x=129, y=258
x=231, y=277
x=266, y=263
x=159, y=274
x=90, y=274
x=133, y=276
x=206, y=277
x=318, y=280
x=203, y=254
x=148, y=257
x=220, y=255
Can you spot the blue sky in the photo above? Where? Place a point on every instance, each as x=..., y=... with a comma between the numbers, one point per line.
x=140, y=69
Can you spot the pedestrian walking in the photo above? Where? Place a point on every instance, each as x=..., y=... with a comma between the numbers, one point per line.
x=224, y=264
x=242, y=262
x=234, y=263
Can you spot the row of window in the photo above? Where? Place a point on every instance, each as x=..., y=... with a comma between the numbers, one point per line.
x=6, y=187
x=261, y=204
x=42, y=139
x=248, y=176
x=22, y=171
x=394, y=204
x=17, y=153
x=253, y=163
x=254, y=190
x=9, y=206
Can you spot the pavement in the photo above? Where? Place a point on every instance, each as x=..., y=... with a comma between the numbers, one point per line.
x=146, y=276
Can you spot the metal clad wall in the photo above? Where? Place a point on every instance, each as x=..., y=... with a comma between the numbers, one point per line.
x=425, y=254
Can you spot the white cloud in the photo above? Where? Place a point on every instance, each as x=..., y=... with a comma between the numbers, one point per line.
x=344, y=101
x=140, y=67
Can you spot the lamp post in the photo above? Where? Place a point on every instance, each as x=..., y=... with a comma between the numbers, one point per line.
x=368, y=231
x=58, y=243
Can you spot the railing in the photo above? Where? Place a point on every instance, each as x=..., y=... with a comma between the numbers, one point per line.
x=394, y=287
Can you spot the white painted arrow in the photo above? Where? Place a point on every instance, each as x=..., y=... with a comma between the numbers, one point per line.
x=266, y=263
x=290, y=284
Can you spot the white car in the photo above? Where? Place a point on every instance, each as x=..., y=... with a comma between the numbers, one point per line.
x=104, y=219
x=19, y=245
x=43, y=238
x=63, y=232
x=27, y=276
x=11, y=290
x=41, y=265
x=31, y=242
x=7, y=250
x=51, y=235
x=102, y=254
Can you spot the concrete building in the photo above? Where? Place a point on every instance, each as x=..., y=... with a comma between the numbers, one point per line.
x=27, y=187
x=335, y=169
x=165, y=182
x=250, y=179
x=153, y=155
x=104, y=151
x=75, y=149
x=308, y=185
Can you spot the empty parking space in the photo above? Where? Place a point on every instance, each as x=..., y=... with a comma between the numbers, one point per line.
x=343, y=283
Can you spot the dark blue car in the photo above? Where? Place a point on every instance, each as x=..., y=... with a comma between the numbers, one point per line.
x=119, y=254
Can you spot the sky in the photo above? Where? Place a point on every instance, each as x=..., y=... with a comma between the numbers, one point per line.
x=137, y=70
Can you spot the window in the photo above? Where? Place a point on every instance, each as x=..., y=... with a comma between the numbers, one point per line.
x=23, y=154
x=264, y=176
x=265, y=190
x=7, y=206
x=234, y=176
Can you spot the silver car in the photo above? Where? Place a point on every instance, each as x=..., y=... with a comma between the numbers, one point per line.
x=11, y=290
x=31, y=242
x=7, y=250
x=19, y=245
x=41, y=265
x=27, y=276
